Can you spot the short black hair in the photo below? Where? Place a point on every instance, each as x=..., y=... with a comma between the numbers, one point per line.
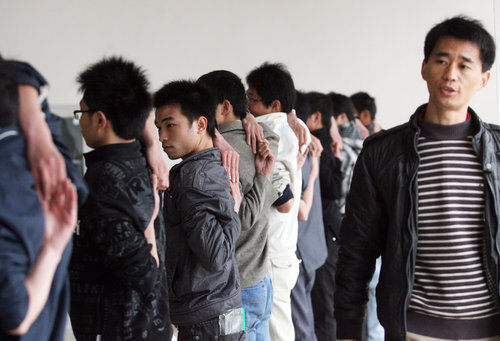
x=273, y=82
x=302, y=107
x=9, y=95
x=225, y=85
x=322, y=103
x=463, y=28
x=119, y=89
x=193, y=99
x=363, y=101
x=342, y=104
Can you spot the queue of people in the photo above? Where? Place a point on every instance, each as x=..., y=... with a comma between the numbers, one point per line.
x=291, y=216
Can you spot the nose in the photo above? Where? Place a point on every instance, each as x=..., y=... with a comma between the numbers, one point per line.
x=162, y=136
x=451, y=72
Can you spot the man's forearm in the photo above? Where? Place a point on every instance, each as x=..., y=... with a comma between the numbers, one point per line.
x=30, y=115
x=38, y=284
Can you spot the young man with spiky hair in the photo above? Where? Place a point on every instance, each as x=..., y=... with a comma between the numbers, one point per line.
x=318, y=120
x=271, y=96
x=258, y=195
x=425, y=197
x=117, y=271
x=365, y=110
x=35, y=235
x=201, y=215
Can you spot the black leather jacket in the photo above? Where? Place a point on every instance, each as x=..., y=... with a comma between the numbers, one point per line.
x=381, y=219
x=202, y=229
x=117, y=291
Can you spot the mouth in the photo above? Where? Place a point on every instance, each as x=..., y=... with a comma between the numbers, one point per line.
x=448, y=90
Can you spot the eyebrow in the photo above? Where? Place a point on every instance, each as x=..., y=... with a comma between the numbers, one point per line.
x=447, y=54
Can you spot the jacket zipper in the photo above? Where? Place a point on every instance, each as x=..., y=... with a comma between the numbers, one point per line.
x=410, y=260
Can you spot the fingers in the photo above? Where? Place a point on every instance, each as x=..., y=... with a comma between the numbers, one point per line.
x=226, y=159
x=235, y=168
x=46, y=181
x=155, y=181
x=254, y=143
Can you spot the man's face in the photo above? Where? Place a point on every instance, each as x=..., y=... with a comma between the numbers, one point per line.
x=88, y=126
x=453, y=74
x=255, y=104
x=178, y=137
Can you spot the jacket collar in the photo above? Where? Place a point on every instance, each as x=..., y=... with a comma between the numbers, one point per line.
x=477, y=126
x=206, y=154
x=117, y=151
x=234, y=125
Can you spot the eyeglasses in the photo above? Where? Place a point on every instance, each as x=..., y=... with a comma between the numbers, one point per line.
x=78, y=113
x=253, y=100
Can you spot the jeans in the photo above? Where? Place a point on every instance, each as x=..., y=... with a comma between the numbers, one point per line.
x=258, y=302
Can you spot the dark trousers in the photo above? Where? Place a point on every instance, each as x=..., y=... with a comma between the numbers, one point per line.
x=302, y=311
x=208, y=330
x=322, y=298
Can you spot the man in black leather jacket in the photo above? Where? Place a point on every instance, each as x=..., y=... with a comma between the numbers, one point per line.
x=388, y=210
x=117, y=270
x=201, y=218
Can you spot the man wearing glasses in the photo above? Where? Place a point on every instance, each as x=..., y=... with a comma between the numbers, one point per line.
x=117, y=271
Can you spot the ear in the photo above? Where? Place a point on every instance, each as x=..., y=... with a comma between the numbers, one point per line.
x=201, y=124
x=276, y=105
x=422, y=70
x=101, y=119
x=316, y=117
x=485, y=77
x=226, y=107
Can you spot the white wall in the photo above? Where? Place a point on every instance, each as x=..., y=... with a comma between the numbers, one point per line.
x=342, y=45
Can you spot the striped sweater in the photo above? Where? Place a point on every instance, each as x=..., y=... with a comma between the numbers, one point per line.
x=450, y=281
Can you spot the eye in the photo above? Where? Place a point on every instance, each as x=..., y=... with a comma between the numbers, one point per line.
x=170, y=125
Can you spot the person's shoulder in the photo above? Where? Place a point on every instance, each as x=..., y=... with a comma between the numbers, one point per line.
x=386, y=136
x=494, y=128
x=269, y=134
x=205, y=164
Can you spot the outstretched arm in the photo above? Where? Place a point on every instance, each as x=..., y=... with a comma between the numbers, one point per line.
x=60, y=222
x=305, y=205
x=230, y=158
x=46, y=162
x=254, y=131
x=154, y=153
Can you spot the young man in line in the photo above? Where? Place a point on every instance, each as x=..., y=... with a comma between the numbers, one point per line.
x=271, y=95
x=424, y=196
x=117, y=271
x=365, y=110
x=311, y=243
x=35, y=234
x=352, y=143
x=318, y=120
x=201, y=214
x=258, y=194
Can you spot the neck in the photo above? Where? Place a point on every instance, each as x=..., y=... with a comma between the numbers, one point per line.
x=437, y=115
x=203, y=144
x=113, y=140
